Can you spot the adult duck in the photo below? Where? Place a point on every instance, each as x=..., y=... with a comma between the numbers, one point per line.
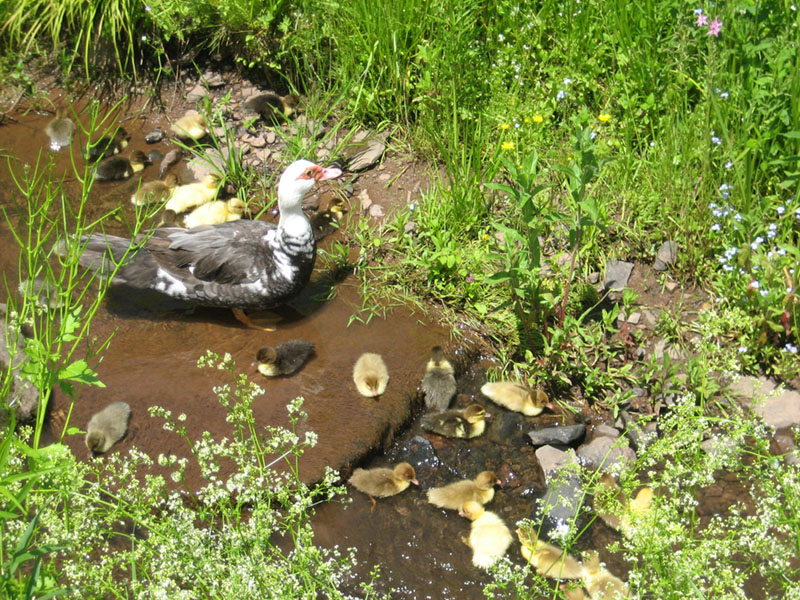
x=240, y=264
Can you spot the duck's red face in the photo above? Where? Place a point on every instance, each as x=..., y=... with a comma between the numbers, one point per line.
x=318, y=173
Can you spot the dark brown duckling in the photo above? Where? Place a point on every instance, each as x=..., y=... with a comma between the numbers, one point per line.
x=108, y=146
x=273, y=108
x=283, y=359
x=438, y=384
x=467, y=423
x=120, y=167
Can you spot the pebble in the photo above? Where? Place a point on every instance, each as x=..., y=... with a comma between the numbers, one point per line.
x=155, y=136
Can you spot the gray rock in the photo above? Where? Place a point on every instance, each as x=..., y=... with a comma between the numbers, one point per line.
x=376, y=211
x=671, y=286
x=154, y=136
x=594, y=277
x=562, y=500
x=430, y=469
x=271, y=136
x=783, y=445
x=363, y=150
x=674, y=352
x=605, y=453
x=212, y=80
x=777, y=405
x=666, y=255
x=198, y=92
x=634, y=317
x=254, y=141
x=506, y=428
x=617, y=274
x=563, y=435
x=605, y=431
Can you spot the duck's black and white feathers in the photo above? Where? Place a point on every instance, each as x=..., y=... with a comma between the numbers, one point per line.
x=240, y=264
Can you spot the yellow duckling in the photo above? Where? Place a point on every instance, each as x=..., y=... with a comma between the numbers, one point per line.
x=516, y=397
x=454, y=495
x=119, y=167
x=457, y=423
x=108, y=146
x=191, y=195
x=382, y=482
x=273, y=108
x=327, y=221
x=155, y=191
x=283, y=359
x=370, y=375
x=438, y=384
x=191, y=126
x=107, y=427
x=548, y=560
x=489, y=537
x=60, y=130
x=617, y=512
x=601, y=584
x=216, y=211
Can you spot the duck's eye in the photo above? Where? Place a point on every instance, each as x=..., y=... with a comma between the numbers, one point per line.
x=310, y=173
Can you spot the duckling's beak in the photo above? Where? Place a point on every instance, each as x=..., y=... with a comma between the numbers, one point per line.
x=328, y=173
x=415, y=481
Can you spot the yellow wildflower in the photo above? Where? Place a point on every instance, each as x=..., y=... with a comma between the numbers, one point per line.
x=527, y=120
x=504, y=126
x=604, y=117
x=538, y=118
x=507, y=145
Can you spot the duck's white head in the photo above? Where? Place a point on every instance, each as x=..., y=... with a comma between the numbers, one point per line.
x=298, y=178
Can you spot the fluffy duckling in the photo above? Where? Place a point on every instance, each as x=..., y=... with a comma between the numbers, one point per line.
x=155, y=191
x=273, y=108
x=283, y=359
x=454, y=495
x=191, y=126
x=107, y=427
x=60, y=130
x=548, y=560
x=191, y=195
x=438, y=384
x=108, y=146
x=516, y=397
x=616, y=511
x=457, y=423
x=327, y=221
x=119, y=167
x=489, y=537
x=601, y=584
x=382, y=482
x=370, y=375
x=216, y=211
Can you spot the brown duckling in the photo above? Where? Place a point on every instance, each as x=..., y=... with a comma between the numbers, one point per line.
x=614, y=509
x=273, y=108
x=454, y=495
x=326, y=222
x=60, y=130
x=438, y=384
x=601, y=584
x=489, y=537
x=283, y=359
x=107, y=427
x=548, y=560
x=516, y=397
x=382, y=482
x=457, y=423
x=119, y=167
x=216, y=211
x=155, y=191
x=188, y=196
x=370, y=375
x=191, y=126
x=108, y=146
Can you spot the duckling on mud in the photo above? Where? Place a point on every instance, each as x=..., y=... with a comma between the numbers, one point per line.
x=191, y=126
x=283, y=359
x=107, y=427
x=271, y=107
x=191, y=195
x=60, y=130
x=370, y=375
x=120, y=167
x=382, y=482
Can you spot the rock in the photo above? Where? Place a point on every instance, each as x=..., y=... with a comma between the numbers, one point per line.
x=506, y=428
x=634, y=317
x=155, y=136
x=671, y=286
x=641, y=435
x=650, y=317
x=719, y=447
x=376, y=211
x=605, y=453
x=666, y=255
x=562, y=434
x=431, y=470
x=674, y=352
x=409, y=227
x=559, y=507
x=777, y=405
x=617, y=274
x=783, y=445
x=270, y=137
x=315, y=129
x=605, y=431
x=198, y=92
x=364, y=150
x=254, y=141
x=212, y=80
x=594, y=277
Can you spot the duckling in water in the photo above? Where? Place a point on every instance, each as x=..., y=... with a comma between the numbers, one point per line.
x=60, y=130
x=216, y=211
x=283, y=359
x=456, y=423
x=439, y=384
x=108, y=146
x=107, y=427
x=548, y=560
x=615, y=511
x=191, y=195
x=454, y=495
x=516, y=397
x=273, y=108
x=191, y=126
x=601, y=584
x=382, y=482
x=328, y=221
x=489, y=537
x=155, y=191
x=370, y=375
x=119, y=167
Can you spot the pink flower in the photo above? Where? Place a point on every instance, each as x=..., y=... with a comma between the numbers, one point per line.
x=715, y=27
x=701, y=20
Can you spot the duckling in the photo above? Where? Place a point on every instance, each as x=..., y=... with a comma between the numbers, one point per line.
x=108, y=146
x=438, y=384
x=454, y=495
x=618, y=512
x=283, y=359
x=516, y=397
x=107, y=427
x=273, y=108
x=382, y=482
x=548, y=560
x=467, y=423
x=60, y=130
x=191, y=126
x=370, y=375
x=601, y=584
x=154, y=191
x=216, y=211
x=327, y=221
x=489, y=537
x=119, y=167
x=191, y=195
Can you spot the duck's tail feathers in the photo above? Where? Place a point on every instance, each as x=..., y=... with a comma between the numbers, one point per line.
x=109, y=255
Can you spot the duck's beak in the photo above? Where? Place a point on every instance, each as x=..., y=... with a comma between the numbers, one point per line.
x=328, y=173
x=415, y=481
